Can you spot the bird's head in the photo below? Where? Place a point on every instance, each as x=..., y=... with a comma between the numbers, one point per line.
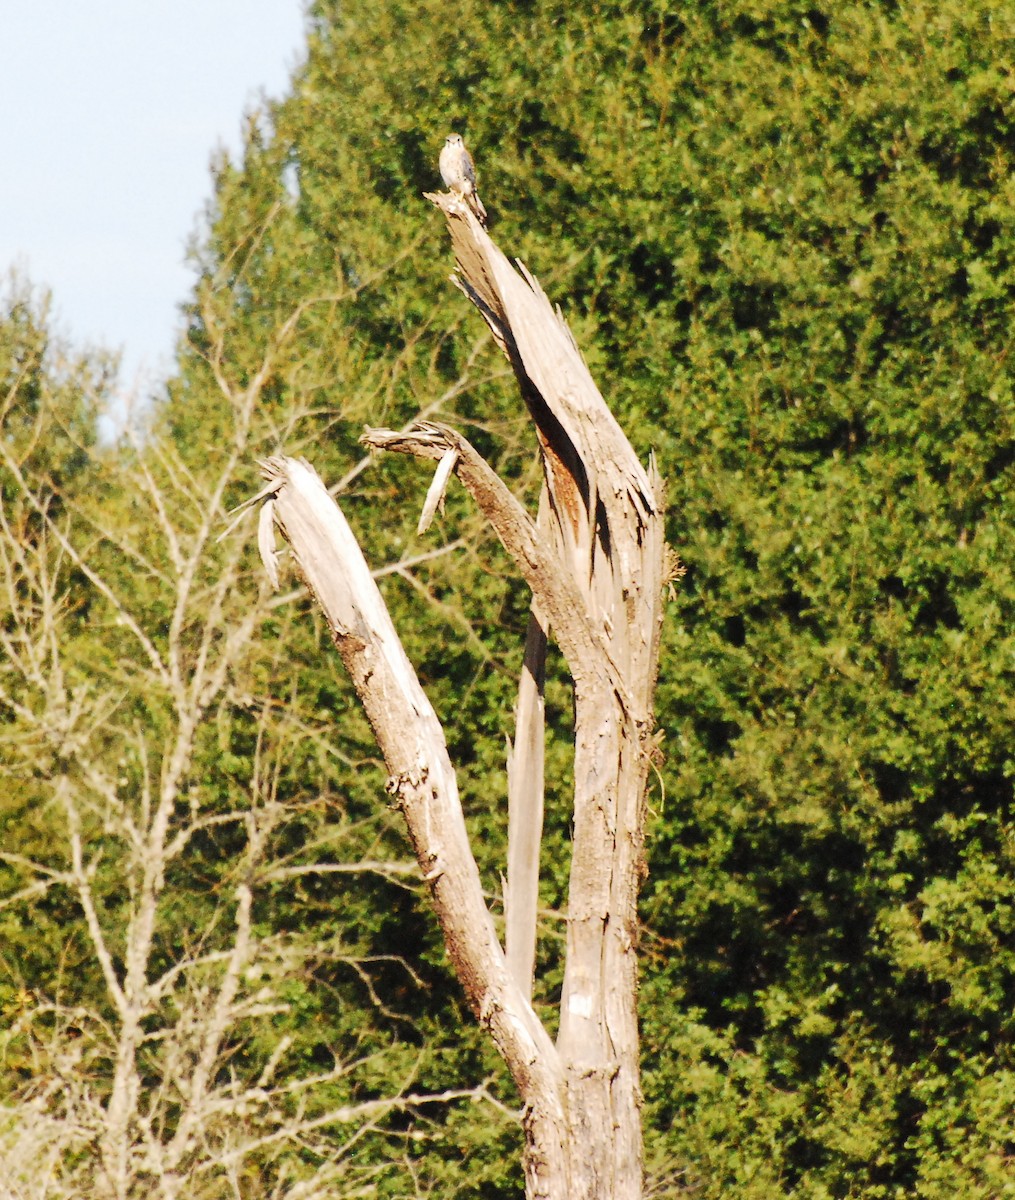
x=454, y=139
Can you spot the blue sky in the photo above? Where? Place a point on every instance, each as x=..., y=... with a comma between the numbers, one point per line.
x=111, y=113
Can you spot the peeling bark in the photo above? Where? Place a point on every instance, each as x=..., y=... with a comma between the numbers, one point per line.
x=525, y=808
x=595, y=564
x=423, y=785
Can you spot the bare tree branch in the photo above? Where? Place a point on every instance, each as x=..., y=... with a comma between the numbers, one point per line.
x=595, y=564
x=423, y=782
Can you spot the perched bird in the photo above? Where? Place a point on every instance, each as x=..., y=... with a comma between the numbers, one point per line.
x=459, y=174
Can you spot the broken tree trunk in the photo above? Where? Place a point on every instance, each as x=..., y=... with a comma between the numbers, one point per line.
x=595, y=564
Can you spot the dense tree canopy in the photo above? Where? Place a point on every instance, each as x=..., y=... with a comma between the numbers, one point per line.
x=784, y=235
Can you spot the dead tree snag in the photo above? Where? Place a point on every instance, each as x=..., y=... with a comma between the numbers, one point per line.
x=594, y=560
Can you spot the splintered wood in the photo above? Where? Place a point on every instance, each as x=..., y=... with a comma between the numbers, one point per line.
x=594, y=560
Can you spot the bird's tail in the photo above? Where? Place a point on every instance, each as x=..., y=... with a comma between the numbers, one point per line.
x=477, y=206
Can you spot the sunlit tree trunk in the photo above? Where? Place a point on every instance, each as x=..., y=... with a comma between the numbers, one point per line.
x=595, y=564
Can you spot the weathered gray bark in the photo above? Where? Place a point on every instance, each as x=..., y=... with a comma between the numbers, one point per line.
x=595, y=564
x=525, y=809
x=422, y=782
x=525, y=795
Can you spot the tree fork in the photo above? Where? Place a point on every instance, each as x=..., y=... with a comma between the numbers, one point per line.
x=595, y=564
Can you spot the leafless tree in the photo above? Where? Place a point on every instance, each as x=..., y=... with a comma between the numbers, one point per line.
x=153, y=1075
x=595, y=562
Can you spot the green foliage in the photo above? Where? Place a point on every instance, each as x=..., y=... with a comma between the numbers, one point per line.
x=50, y=400
x=784, y=236
x=49, y=395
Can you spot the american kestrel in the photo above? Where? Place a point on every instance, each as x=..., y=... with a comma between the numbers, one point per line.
x=459, y=174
